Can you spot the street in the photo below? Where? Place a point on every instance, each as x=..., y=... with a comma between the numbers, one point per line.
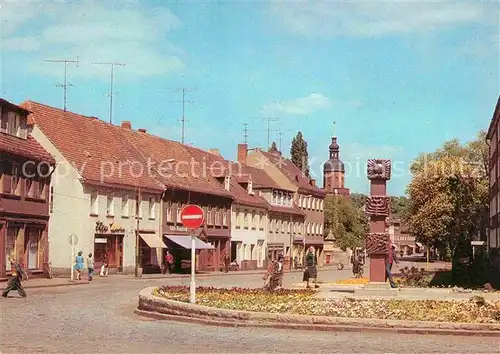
x=98, y=318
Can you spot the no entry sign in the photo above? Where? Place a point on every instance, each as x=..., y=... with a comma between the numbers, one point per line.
x=192, y=216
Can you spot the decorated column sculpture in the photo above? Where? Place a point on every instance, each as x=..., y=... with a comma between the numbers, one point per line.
x=377, y=208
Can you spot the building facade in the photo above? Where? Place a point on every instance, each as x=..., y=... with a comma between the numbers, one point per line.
x=96, y=197
x=306, y=197
x=493, y=140
x=25, y=173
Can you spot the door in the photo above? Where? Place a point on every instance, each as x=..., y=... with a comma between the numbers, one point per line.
x=33, y=245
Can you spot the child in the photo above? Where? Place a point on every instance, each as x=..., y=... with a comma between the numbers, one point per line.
x=90, y=266
x=104, y=267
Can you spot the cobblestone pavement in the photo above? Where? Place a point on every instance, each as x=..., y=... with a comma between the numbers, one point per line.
x=98, y=318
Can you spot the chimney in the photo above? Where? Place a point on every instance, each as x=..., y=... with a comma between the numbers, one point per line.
x=126, y=125
x=214, y=151
x=242, y=153
x=313, y=182
x=141, y=130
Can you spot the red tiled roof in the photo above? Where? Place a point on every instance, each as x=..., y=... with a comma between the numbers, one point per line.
x=28, y=148
x=184, y=172
x=293, y=173
x=97, y=149
x=217, y=166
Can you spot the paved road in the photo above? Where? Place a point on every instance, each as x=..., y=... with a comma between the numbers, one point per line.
x=97, y=318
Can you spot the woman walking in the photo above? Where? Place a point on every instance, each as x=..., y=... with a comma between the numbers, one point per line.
x=79, y=261
x=311, y=271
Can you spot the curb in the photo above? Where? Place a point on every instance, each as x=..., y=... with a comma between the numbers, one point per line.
x=312, y=327
x=165, y=309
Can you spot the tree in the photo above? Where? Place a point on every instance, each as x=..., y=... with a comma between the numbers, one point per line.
x=348, y=223
x=358, y=200
x=399, y=206
x=299, y=154
x=273, y=147
x=447, y=196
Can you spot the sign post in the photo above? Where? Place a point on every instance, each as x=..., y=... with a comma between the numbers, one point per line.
x=192, y=217
x=73, y=241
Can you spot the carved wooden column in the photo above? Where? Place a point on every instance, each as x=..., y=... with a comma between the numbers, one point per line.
x=378, y=206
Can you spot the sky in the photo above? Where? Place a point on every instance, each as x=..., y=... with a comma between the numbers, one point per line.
x=397, y=79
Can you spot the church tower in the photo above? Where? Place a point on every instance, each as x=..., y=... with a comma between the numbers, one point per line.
x=334, y=171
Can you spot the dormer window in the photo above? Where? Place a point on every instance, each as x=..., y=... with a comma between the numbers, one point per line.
x=250, y=188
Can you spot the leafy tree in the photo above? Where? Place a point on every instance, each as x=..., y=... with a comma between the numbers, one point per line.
x=348, y=223
x=299, y=154
x=358, y=200
x=447, y=196
x=399, y=206
x=273, y=147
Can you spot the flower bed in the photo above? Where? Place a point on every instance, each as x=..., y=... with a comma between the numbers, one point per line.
x=303, y=302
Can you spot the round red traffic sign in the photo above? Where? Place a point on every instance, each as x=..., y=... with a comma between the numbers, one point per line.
x=192, y=216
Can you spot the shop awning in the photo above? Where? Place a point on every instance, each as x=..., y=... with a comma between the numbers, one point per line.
x=419, y=245
x=153, y=241
x=185, y=242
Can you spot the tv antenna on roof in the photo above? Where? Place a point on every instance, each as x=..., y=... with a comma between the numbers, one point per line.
x=65, y=84
x=110, y=94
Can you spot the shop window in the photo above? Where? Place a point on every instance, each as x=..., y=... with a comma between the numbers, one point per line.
x=94, y=207
x=152, y=207
x=10, y=245
x=33, y=247
x=125, y=205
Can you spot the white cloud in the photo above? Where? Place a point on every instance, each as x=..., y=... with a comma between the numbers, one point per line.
x=302, y=106
x=127, y=32
x=375, y=18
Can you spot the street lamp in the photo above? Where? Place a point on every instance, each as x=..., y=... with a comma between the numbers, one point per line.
x=137, y=218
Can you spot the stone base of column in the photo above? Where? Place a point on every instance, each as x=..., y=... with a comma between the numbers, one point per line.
x=377, y=268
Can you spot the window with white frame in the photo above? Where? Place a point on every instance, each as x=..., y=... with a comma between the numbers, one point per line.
x=94, y=207
x=110, y=205
x=217, y=216
x=285, y=227
x=139, y=212
x=210, y=220
x=169, y=211
x=274, y=197
x=14, y=182
x=271, y=225
x=261, y=221
x=125, y=205
x=245, y=220
x=238, y=219
x=177, y=211
x=282, y=199
x=152, y=207
x=12, y=123
x=224, y=217
x=254, y=221
x=321, y=229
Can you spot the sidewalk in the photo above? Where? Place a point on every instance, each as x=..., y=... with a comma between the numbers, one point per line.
x=45, y=283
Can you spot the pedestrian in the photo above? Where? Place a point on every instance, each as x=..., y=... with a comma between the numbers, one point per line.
x=104, y=267
x=271, y=278
x=79, y=261
x=90, y=266
x=225, y=261
x=312, y=271
x=280, y=270
x=389, y=260
x=169, y=262
x=14, y=282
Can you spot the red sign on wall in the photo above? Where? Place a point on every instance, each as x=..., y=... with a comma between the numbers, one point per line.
x=192, y=216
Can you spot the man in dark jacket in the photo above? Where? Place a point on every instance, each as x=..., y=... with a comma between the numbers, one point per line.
x=14, y=282
x=391, y=258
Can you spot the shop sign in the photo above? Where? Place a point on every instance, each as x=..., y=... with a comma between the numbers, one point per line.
x=177, y=228
x=101, y=240
x=101, y=228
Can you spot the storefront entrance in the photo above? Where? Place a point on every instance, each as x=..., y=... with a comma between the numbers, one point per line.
x=110, y=247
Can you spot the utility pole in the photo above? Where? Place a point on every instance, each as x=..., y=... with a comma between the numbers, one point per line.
x=245, y=133
x=138, y=274
x=65, y=84
x=110, y=94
